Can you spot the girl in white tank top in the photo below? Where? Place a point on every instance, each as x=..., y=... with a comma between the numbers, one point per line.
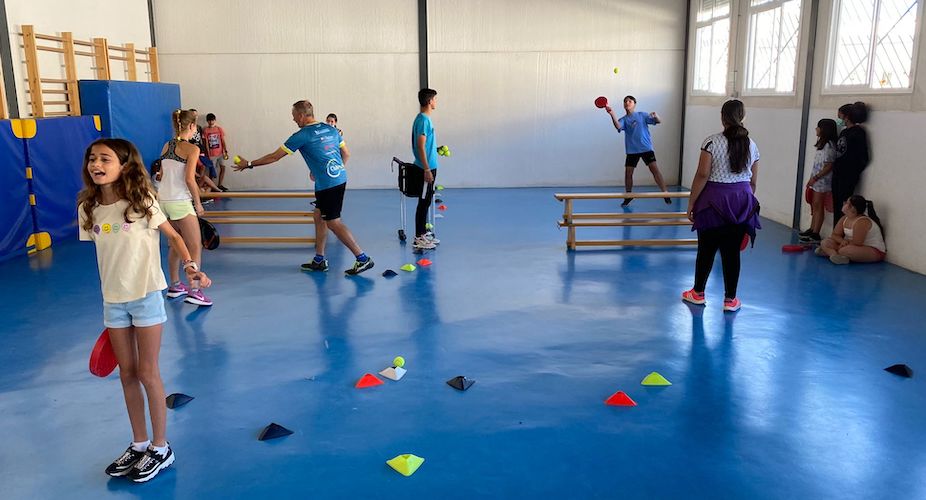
x=858, y=236
x=179, y=198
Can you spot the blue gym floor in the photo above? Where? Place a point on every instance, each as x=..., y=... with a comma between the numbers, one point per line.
x=785, y=399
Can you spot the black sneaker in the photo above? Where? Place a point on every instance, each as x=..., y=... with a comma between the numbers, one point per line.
x=668, y=201
x=150, y=464
x=805, y=233
x=122, y=465
x=360, y=267
x=315, y=266
x=223, y=188
x=626, y=202
x=810, y=238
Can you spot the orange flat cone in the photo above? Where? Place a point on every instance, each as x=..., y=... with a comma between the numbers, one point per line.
x=424, y=262
x=368, y=380
x=620, y=399
x=442, y=207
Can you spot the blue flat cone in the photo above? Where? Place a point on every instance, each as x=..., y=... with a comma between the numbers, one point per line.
x=176, y=400
x=461, y=383
x=901, y=370
x=273, y=431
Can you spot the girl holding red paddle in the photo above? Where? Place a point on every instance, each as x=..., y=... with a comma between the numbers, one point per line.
x=118, y=211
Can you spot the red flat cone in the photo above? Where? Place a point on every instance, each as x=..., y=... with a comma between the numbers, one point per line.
x=368, y=380
x=424, y=262
x=620, y=399
x=442, y=207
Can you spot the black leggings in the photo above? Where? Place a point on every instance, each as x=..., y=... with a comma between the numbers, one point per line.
x=727, y=239
x=416, y=184
x=843, y=187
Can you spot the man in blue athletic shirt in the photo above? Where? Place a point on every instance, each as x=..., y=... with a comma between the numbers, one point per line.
x=637, y=143
x=421, y=179
x=325, y=153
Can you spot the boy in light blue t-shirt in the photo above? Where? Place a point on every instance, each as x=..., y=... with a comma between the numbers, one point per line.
x=421, y=179
x=637, y=143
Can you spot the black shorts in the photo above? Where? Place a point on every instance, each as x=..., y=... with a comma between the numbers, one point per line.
x=329, y=201
x=414, y=180
x=632, y=159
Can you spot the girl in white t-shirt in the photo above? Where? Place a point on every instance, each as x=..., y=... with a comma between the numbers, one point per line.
x=858, y=236
x=820, y=183
x=118, y=211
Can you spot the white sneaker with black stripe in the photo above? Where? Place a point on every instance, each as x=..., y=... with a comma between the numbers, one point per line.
x=150, y=465
x=122, y=465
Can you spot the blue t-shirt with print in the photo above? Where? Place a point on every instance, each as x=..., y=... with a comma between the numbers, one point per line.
x=636, y=128
x=320, y=145
x=423, y=126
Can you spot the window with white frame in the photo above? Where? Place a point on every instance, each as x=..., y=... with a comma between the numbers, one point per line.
x=872, y=45
x=771, y=60
x=712, y=47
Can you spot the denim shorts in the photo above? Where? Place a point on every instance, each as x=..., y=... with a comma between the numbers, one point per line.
x=146, y=311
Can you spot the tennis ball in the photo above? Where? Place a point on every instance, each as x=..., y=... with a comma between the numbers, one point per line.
x=429, y=226
x=398, y=362
x=616, y=70
x=237, y=159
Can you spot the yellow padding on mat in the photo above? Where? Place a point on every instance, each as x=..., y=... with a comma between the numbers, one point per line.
x=28, y=172
x=38, y=242
x=23, y=128
x=97, y=123
x=32, y=199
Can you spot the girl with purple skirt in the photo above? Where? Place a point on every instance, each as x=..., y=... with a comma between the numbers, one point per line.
x=723, y=208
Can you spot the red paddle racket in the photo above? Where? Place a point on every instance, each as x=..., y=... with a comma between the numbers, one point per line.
x=795, y=248
x=601, y=102
x=102, y=358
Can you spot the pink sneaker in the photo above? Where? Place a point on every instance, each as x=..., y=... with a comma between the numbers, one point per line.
x=693, y=297
x=197, y=297
x=177, y=290
x=732, y=305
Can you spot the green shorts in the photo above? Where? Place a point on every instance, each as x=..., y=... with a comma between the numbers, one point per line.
x=176, y=210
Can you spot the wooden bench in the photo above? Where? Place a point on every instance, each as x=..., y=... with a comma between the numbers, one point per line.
x=571, y=220
x=262, y=217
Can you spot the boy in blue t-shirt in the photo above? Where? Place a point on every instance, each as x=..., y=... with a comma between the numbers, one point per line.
x=421, y=179
x=325, y=153
x=637, y=143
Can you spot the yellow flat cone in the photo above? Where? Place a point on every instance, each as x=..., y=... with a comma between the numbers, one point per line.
x=408, y=267
x=405, y=464
x=655, y=379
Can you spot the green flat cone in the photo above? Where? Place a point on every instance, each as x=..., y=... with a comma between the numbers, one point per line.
x=406, y=464
x=655, y=379
x=408, y=267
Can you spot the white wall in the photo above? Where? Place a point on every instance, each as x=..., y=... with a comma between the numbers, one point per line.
x=119, y=21
x=517, y=78
x=515, y=89
x=356, y=58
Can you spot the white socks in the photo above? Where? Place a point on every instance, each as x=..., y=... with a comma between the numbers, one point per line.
x=141, y=445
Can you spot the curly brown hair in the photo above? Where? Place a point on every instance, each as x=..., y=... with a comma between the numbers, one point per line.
x=133, y=183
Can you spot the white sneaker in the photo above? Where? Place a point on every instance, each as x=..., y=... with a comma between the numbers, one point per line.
x=430, y=237
x=423, y=243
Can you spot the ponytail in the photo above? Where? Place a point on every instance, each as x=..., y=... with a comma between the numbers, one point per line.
x=181, y=119
x=870, y=212
x=732, y=114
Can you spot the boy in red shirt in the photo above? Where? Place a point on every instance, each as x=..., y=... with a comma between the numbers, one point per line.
x=214, y=138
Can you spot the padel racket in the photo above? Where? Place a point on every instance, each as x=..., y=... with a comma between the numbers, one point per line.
x=209, y=234
x=102, y=358
x=601, y=102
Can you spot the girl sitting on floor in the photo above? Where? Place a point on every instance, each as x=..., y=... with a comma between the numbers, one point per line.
x=858, y=236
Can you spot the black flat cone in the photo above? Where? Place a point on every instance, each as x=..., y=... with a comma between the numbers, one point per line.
x=900, y=369
x=389, y=273
x=460, y=383
x=176, y=400
x=273, y=431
